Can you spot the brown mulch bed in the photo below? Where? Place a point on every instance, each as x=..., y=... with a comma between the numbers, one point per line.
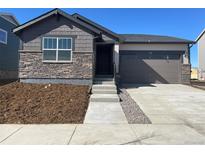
x=42, y=104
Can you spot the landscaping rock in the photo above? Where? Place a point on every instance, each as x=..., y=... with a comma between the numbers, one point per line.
x=132, y=111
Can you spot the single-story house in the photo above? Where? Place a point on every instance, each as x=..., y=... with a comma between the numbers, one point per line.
x=9, y=45
x=58, y=47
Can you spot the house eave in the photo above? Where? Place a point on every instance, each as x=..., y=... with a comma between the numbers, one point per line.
x=143, y=42
x=48, y=14
x=200, y=35
x=101, y=28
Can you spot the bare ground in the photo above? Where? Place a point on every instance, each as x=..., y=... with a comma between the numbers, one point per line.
x=42, y=104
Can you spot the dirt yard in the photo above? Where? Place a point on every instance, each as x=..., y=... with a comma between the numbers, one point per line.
x=42, y=104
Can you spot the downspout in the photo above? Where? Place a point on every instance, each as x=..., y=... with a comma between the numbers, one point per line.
x=189, y=47
x=189, y=59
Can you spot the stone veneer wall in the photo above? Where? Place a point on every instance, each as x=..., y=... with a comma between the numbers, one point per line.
x=186, y=73
x=31, y=65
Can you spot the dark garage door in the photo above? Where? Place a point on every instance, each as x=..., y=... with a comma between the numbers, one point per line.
x=150, y=67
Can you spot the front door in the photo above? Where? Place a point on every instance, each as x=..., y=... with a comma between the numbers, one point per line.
x=104, y=59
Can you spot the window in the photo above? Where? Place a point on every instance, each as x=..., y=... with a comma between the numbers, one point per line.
x=3, y=36
x=57, y=49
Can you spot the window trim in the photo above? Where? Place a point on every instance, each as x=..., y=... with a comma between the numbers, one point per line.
x=57, y=49
x=6, y=36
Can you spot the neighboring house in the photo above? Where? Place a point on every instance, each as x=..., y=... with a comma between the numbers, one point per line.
x=58, y=47
x=9, y=46
x=194, y=73
x=201, y=55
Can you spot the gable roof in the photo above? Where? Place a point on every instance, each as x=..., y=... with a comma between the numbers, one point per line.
x=143, y=38
x=9, y=17
x=94, y=24
x=98, y=29
x=50, y=13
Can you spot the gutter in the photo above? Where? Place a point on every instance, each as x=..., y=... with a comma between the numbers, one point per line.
x=200, y=35
x=150, y=42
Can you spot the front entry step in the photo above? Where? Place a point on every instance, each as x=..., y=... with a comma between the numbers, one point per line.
x=103, y=79
x=104, y=82
x=104, y=106
x=104, y=98
x=104, y=91
x=104, y=86
x=104, y=76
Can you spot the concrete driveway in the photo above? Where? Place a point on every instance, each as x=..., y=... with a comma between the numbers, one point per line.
x=170, y=103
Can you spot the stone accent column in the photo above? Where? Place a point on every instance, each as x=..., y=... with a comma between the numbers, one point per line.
x=186, y=73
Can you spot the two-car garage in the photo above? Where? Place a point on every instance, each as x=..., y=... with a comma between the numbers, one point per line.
x=145, y=59
x=150, y=67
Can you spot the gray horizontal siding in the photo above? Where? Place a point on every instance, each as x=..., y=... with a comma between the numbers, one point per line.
x=83, y=40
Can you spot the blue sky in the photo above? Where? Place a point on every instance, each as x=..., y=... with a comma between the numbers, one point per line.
x=184, y=23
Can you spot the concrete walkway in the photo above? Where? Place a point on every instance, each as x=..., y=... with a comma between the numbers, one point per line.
x=101, y=134
x=104, y=106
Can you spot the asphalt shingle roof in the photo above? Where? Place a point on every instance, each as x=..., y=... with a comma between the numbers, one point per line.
x=144, y=38
x=9, y=17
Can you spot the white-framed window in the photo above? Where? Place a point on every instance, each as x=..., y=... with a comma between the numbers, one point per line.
x=57, y=49
x=3, y=36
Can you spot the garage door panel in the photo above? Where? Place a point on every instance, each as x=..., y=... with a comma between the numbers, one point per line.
x=149, y=67
x=168, y=69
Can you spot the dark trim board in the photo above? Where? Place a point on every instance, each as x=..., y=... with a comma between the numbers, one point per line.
x=171, y=51
x=105, y=42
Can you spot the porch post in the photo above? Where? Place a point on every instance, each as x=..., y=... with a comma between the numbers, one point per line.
x=116, y=57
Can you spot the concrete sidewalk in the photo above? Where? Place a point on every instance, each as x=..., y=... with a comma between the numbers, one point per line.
x=102, y=134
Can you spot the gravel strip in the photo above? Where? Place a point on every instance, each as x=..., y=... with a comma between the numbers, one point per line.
x=132, y=111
